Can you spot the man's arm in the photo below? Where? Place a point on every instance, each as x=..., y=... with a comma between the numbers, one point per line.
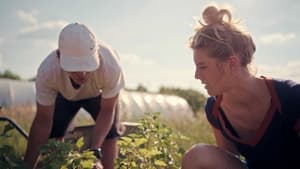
x=104, y=121
x=39, y=133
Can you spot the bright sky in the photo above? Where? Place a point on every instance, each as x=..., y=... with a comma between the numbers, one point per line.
x=150, y=35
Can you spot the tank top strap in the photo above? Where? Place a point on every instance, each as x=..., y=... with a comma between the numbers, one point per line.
x=272, y=90
x=216, y=106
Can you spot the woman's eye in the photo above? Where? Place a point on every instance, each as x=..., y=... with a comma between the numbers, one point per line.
x=202, y=67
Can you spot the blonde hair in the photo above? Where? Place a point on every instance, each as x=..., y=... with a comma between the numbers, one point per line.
x=222, y=38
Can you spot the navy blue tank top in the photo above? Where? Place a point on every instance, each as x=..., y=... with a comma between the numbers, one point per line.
x=276, y=143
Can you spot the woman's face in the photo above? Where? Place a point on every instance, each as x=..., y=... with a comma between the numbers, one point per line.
x=211, y=72
x=79, y=77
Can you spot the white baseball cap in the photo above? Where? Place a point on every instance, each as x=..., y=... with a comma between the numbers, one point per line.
x=78, y=49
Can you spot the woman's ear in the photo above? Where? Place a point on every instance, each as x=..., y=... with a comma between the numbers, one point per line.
x=234, y=62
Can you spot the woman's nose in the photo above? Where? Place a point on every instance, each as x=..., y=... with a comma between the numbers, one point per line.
x=197, y=75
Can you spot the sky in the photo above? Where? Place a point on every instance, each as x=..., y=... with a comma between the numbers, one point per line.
x=151, y=36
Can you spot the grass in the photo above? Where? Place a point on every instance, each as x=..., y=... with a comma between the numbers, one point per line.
x=197, y=130
x=23, y=117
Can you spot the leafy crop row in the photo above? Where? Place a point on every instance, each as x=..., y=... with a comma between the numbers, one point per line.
x=152, y=146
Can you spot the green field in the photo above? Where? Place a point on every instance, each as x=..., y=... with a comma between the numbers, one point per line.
x=197, y=130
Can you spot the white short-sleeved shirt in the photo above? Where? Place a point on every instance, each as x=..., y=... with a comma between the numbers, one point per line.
x=107, y=80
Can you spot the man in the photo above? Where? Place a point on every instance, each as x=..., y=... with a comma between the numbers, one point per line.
x=80, y=73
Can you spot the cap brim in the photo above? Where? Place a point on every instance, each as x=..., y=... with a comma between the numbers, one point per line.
x=79, y=64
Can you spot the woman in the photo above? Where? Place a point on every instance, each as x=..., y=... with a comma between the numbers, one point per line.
x=254, y=117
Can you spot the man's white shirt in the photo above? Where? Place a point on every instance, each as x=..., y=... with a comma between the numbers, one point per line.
x=107, y=80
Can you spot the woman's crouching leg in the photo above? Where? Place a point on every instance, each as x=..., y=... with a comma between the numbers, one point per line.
x=204, y=156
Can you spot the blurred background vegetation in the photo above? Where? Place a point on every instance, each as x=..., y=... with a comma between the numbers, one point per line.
x=9, y=75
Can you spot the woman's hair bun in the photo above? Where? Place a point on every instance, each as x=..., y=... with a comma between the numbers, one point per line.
x=212, y=15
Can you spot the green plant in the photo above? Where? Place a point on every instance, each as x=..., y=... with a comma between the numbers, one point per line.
x=9, y=158
x=152, y=146
x=65, y=155
x=55, y=154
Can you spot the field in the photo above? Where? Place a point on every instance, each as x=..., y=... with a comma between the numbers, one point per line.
x=196, y=130
x=23, y=117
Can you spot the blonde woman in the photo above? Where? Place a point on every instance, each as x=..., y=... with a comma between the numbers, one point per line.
x=256, y=117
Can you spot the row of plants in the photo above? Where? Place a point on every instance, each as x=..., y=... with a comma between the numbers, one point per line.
x=54, y=154
x=152, y=146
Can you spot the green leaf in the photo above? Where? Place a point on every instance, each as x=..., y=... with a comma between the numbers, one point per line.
x=160, y=163
x=79, y=143
x=140, y=141
x=63, y=167
x=87, y=163
x=126, y=139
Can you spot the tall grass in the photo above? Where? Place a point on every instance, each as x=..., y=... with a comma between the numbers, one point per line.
x=197, y=130
x=23, y=116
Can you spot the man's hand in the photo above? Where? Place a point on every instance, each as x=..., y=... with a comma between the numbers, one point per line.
x=98, y=165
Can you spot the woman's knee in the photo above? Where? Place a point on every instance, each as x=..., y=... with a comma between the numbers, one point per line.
x=197, y=156
x=203, y=156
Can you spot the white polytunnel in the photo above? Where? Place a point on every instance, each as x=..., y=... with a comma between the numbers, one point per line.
x=16, y=93
x=133, y=105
